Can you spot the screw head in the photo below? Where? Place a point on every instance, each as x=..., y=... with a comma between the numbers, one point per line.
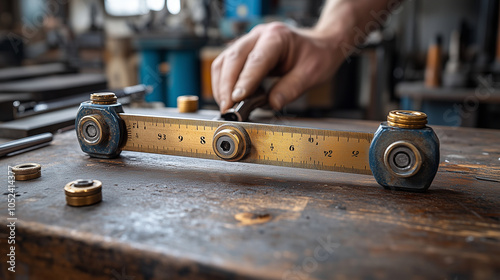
x=402, y=159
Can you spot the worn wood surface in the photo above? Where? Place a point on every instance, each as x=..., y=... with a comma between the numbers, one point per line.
x=173, y=217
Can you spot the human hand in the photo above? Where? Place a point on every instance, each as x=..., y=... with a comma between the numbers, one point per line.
x=301, y=58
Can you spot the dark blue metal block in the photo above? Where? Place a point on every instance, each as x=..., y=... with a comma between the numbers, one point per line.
x=424, y=140
x=112, y=128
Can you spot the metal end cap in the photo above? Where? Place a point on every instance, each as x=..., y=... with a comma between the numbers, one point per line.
x=407, y=119
x=103, y=98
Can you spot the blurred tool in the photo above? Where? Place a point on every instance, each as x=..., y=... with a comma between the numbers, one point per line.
x=485, y=39
x=496, y=65
x=13, y=108
x=241, y=111
x=434, y=62
x=454, y=74
x=187, y=103
x=46, y=89
x=10, y=74
x=120, y=68
x=26, y=144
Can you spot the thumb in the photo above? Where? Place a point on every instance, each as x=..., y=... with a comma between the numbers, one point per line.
x=287, y=89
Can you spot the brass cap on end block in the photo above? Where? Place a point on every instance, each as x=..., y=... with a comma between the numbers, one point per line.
x=407, y=119
x=103, y=98
x=27, y=171
x=187, y=103
x=83, y=192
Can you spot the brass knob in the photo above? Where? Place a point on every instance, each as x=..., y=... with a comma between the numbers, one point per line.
x=103, y=98
x=27, y=171
x=407, y=119
x=187, y=103
x=231, y=142
x=83, y=192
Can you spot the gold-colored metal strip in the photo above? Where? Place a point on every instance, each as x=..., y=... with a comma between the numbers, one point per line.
x=320, y=149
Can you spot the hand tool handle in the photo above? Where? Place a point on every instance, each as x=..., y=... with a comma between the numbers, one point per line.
x=241, y=111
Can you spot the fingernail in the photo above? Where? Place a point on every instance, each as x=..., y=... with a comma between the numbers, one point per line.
x=278, y=101
x=223, y=104
x=238, y=94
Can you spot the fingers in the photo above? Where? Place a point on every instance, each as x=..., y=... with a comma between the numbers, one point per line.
x=238, y=71
x=227, y=66
x=234, y=60
x=288, y=88
x=263, y=57
x=215, y=75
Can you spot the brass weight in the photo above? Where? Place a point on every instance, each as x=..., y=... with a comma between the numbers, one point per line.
x=83, y=192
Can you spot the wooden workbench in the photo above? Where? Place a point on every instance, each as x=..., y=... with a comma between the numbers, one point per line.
x=166, y=217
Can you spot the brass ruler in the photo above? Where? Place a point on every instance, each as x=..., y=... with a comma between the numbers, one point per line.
x=403, y=154
x=320, y=149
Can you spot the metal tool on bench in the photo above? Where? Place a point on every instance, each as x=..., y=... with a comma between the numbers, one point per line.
x=402, y=154
x=15, y=109
x=26, y=144
x=241, y=110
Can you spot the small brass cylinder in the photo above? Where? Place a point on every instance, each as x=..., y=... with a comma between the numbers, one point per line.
x=27, y=171
x=103, y=98
x=407, y=119
x=83, y=192
x=187, y=103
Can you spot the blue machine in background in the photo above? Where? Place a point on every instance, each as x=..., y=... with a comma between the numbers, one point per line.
x=246, y=10
x=184, y=78
x=181, y=52
x=150, y=75
x=249, y=12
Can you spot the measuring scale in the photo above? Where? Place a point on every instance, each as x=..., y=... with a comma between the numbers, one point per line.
x=402, y=154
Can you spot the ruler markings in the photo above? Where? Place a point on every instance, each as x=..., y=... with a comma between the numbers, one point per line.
x=288, y=151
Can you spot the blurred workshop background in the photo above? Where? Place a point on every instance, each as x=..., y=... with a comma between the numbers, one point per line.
x=440, y=57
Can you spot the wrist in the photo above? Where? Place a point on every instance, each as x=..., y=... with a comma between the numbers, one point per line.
x=339, y=17
x=337, y=24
